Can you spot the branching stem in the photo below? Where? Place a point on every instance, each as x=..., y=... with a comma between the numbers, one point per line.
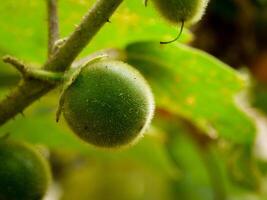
x=34, y=73
x=19, y=65
x=29, y=90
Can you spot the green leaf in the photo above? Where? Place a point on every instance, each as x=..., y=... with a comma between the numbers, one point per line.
x=191, y=83
x=259, y=96
x=201, y=174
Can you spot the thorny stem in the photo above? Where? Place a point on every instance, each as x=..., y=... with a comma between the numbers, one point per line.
x=21, y=67
x=29, y=90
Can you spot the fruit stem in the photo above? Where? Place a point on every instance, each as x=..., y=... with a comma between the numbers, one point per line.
x=46, y=76
x=178, y=36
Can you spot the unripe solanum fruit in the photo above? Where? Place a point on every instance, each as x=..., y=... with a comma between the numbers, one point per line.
x=24, y=174
x=177, y=11
x=181, y=12
x=108, y=104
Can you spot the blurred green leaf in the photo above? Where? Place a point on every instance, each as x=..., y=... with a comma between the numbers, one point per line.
x=259, y=96
x=201, y=176
x=191, y=83
x=242, y=167
x=115, y=180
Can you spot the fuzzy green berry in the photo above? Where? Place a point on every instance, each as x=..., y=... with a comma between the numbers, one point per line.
x=177, y=11
x=24, y=174
x=181, y=12
x=108, y=104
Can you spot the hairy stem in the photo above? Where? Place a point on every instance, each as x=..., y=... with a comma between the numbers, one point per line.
x=34, y=73
x=53, y=28
x=90, y=25
x=30, y=90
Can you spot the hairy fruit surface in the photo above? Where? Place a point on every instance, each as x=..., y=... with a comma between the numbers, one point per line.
x=108, y=104
x=177, y=11
x=24, y=174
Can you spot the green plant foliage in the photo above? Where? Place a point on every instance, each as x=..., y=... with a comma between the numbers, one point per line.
x=194, y=84
x=26, y=29
x=242, y=168
x=194, y=174
x=127, y=180
x=169, y=163
x=259, y=96
x=24, y=174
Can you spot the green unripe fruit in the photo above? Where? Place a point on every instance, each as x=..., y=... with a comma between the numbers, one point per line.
x=180, y=11
x=24, y=174
x=177, y=11
x=108, y=104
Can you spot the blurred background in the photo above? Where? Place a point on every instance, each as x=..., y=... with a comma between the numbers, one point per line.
x=208, y=140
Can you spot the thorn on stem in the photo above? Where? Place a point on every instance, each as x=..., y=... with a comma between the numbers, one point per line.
x=19, y=65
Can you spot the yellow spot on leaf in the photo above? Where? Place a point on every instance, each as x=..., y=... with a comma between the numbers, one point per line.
x=190, y=100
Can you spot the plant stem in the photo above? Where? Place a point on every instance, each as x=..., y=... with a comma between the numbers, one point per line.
x=30, y=90
x=53, y=30
x=46, y=76
x=34, y=73
x=90, y=25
